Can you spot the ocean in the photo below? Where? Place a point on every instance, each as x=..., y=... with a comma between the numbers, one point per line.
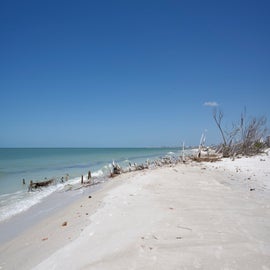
x=38, y=164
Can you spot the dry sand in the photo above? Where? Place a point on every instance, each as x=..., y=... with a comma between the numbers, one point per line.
x=190, y=216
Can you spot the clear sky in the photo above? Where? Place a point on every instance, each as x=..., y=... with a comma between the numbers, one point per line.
x=129, y=73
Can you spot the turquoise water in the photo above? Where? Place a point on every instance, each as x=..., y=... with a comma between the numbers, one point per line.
x=37, y=163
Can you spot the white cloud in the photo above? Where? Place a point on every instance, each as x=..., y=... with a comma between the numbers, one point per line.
x=210, y=104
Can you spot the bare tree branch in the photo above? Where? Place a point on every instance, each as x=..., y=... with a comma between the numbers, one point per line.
x=243, y=138
x=218, y=115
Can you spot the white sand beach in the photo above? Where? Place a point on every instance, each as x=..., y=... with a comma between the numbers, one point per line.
x=188, y=216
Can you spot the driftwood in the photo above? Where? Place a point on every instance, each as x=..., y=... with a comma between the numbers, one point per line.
x=116, y=170
x=141, y=167
x=36, y=185
x=210, y=158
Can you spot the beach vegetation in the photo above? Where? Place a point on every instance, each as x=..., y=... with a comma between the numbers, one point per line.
x=245, y=137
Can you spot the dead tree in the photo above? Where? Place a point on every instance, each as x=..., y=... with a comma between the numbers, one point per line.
x=252, y=133
x=243, y=138
x=218, y=116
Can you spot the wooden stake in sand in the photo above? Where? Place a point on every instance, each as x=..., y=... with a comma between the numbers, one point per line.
x=82, y=180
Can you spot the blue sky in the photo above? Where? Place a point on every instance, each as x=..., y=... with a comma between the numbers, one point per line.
x=129, y=73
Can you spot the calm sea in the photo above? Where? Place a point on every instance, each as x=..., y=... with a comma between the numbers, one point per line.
x=36, y=164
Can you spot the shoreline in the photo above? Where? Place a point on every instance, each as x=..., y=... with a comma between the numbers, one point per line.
x=52, y=203
x=138, y=206
x=69, y=167
x=51, y=227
